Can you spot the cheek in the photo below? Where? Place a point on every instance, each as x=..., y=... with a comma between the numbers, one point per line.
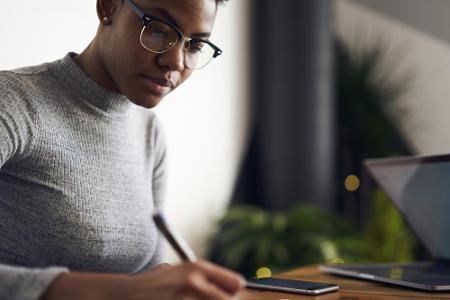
x=185, y=75
x=126, y=51
x=124, y=48
x=128, y=59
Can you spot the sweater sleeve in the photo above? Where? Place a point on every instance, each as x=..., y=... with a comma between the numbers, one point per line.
x=18, y=283
x=159, y=187
x=17, y=126
x=160, y=166
x=17, y=132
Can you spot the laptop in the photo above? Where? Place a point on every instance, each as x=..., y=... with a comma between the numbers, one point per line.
x=419, y=186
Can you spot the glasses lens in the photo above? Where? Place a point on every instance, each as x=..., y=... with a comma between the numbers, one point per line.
x=158, y=37
x=198, y=55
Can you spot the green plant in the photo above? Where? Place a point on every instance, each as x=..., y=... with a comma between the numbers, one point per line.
x=251, y=238
x=367, y=94
x=369, y=116
x=387, y=232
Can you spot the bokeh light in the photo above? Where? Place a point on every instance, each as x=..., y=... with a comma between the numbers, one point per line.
x=263, y=272
x=352, y=183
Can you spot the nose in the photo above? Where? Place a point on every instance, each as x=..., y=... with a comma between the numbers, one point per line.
x=173, y=59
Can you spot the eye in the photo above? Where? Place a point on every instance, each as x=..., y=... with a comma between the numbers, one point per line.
x=158, y=29
x=196, y=47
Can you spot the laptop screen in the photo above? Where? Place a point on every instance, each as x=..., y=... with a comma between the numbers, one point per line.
x=420, y=188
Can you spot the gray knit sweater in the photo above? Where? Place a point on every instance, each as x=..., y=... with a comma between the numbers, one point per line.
x=81, y=170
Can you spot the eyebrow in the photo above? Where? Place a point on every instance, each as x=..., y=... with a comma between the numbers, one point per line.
x=172, y=21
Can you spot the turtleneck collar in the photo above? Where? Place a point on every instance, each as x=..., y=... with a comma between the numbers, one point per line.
x=90, y=91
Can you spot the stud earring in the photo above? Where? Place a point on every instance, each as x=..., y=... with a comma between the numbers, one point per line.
x=106, y=21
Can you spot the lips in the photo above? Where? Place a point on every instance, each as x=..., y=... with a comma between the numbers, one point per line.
x=158, y=86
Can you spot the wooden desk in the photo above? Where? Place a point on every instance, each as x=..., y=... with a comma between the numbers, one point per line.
x=349, y=289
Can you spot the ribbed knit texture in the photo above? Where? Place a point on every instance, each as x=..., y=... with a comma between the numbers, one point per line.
x=81, y=171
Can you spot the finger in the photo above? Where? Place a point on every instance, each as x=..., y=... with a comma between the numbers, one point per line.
x=202, y=288
x=225, y=279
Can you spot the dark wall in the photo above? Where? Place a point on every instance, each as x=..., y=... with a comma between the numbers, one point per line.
x=292, y=151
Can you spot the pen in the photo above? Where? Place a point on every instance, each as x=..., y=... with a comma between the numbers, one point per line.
x=175, y=240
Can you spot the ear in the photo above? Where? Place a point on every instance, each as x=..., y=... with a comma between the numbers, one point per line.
x=106, y=8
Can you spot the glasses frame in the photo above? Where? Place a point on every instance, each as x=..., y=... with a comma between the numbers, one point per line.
x=146, y=19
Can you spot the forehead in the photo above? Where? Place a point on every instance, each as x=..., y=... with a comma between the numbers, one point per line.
x=189, y=15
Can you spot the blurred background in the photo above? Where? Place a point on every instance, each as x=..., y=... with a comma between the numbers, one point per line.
x=266, y=144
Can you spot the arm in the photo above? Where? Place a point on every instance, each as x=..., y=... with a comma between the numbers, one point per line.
x=87, y=286
x=19, y=283
x=159, y=185
x=18, y=123
x=159, y=165
x=200, y=280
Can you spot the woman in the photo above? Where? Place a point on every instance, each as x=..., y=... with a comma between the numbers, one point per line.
x=82, y=162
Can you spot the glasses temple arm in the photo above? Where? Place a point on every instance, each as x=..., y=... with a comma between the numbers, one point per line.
x=136, y=9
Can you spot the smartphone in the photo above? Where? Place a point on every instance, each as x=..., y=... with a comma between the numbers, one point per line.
x=291, y=286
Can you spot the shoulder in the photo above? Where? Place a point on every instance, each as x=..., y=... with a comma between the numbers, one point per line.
x=151, y=127
x=157, y=129
x=19, y=87
x=19, y=116
x=22, y=95
x=23, y=77
x=156, y=123
x=149, y=120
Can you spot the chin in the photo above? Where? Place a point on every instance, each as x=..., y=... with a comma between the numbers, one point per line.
x=147, y=101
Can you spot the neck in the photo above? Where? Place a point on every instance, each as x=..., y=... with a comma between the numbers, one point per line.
x=92, y=63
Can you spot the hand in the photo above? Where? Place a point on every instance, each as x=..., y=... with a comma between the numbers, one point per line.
x=198, y=280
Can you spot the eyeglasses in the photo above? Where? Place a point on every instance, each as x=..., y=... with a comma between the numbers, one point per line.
x=158, y=36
